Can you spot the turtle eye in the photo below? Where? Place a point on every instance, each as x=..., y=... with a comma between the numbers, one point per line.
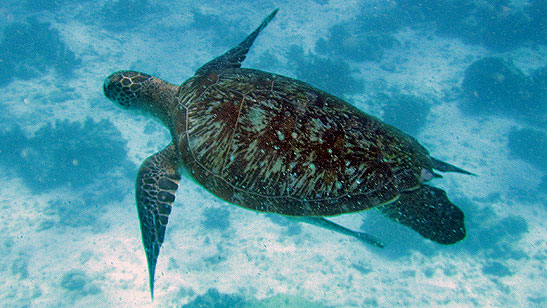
x=123, y=87
x=113, y=87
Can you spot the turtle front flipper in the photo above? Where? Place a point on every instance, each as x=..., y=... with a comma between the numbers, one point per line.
x=428, y=211
x=157, y=183
x=235, y=56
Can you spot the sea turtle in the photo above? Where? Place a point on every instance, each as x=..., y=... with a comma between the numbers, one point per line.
x=274, y=144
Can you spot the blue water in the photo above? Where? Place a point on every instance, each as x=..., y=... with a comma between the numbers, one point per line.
x=468, y=79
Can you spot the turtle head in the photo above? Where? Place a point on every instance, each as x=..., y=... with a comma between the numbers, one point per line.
x=140, y=92
x=127, y=88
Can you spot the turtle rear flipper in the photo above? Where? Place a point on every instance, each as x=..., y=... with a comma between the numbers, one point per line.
x=329, y=225
x=428, y=211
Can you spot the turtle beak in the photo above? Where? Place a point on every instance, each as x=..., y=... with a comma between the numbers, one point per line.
x=111, y=86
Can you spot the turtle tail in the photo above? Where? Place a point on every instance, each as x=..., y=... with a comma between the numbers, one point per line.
x=446, y=167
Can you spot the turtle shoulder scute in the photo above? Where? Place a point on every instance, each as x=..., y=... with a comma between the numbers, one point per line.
x=243, y=81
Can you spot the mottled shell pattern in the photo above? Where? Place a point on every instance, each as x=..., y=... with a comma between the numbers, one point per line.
x=270, y=143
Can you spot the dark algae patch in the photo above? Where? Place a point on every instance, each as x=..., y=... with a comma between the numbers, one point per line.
x=493, y=86
x=32, y=48
x=63, y=154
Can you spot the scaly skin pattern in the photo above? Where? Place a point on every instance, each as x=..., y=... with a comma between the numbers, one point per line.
x=274, y=144
x=157, y=183
x=142, y=93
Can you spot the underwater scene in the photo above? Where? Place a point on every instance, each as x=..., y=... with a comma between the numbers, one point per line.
x=325, y=153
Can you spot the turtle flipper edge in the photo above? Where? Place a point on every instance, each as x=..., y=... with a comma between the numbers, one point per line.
x=157, y=183
x=428, y=211
x=329, y=225
x=235, y=56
